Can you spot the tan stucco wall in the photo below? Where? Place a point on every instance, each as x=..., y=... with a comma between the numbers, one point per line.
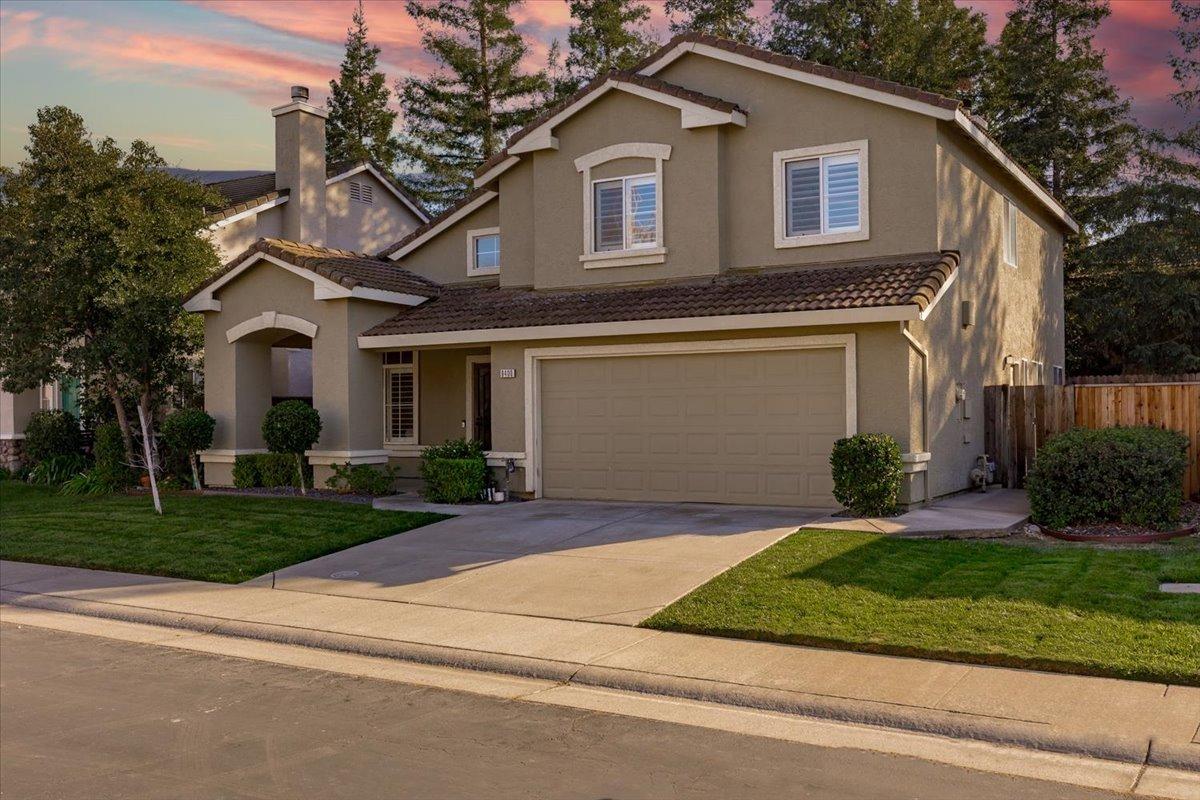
x=235, y=237
x=784, y=115
x=444, y=258
x=15, y=410
x=363, y=227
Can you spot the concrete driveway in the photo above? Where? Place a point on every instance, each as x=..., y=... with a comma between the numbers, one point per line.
x=604, y=562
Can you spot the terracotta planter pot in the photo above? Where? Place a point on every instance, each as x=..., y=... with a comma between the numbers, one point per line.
x=144, y=481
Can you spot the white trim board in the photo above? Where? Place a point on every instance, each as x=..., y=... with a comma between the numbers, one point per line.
x=444, y=223
x=366, y=167
x=691, y=115
x=269, y=320
x=325, y=458
x=534, y=357
x=323, y=288
x=957, y=116
x=258, y=209
x=714, y=324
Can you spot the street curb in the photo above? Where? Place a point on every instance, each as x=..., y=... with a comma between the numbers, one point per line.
x=1029, y=735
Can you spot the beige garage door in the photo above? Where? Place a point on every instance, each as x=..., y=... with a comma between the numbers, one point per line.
x=744, y=427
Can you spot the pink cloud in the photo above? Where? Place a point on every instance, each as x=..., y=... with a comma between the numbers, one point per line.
x=16, y=29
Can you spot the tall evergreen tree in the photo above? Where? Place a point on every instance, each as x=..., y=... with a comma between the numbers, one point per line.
x=606, y=35
x=729, y=19
x=459, y=117
x=1050, y=103
x=360, y=124
x=1186, y=65
x=931, y=44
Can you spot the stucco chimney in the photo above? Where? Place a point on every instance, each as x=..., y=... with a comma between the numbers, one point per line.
x=300, y=167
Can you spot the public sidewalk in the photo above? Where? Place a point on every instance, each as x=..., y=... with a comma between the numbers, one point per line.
x=1126, y=721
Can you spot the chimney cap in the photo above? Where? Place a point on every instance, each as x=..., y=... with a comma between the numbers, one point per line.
x=300, y=94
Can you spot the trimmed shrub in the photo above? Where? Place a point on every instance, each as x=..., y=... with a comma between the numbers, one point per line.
x=50, y=434
x=5, y=474
x=293, y=426
x=108, y=451
x=186, y=432
x=245, y=472
x=361, y=479
x=88, y=483
x=454, y=472
x=56, y=470
x=1128, y=475
x=867, y=474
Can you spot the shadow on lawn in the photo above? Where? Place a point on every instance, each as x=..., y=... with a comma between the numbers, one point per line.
x=1107, y=581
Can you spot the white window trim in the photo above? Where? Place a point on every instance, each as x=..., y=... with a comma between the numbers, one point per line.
x=644, y=254
x=1010, y=232
x=472, y=235
x=534, y=357
x=628, y=248
x=414, y=368
x=781, y=157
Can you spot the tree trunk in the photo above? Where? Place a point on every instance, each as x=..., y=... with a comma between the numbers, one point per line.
x=193, y=458
x=300, y=467
x=149, y=450
x=122, y=420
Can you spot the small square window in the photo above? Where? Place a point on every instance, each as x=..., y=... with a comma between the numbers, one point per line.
x=483, y=251
x=821, y=195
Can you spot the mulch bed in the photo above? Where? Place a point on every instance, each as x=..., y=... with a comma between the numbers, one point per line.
x=1118, y=533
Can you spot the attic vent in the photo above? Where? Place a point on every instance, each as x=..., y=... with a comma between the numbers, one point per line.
x=362, y=192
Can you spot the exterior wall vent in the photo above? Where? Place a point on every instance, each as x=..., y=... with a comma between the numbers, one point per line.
x=362, y=192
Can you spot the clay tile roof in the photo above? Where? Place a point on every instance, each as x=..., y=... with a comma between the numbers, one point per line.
x=896, y=281
x=620, y=76
x=423, y=229
x=343, y=267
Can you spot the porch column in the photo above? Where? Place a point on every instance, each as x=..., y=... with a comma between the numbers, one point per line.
x=237, y=393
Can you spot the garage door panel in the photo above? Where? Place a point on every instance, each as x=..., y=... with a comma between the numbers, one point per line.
x=746, y=427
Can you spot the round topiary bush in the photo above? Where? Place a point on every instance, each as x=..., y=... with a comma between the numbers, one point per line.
x=1127, y=475
x=189, y=430
x=293, y=426
x=51, y=433
x=867, y=474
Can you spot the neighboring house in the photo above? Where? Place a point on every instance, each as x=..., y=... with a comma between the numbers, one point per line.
x=353, y=205
x=682, y=284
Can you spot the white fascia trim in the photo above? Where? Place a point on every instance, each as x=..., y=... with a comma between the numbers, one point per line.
x=494, y=172
x=924, y=315
x=691, y=115
x=421, y=215
x=478, y=202
x=228, y=456
x=534, y=357
x=961, y=119
x=715, y=324
x=538, y=140
x=298, y=105
x=326, y=458
x=968, y=125
x=268, y=320
x=323, y=288
x=249, y=212
x=11, y=437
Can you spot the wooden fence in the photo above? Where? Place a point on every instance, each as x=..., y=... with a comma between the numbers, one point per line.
x=1019, y=419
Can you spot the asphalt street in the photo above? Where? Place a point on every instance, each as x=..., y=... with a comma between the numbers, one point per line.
x=88, y=717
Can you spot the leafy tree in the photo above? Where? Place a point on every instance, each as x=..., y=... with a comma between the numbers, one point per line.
x=606, y=35
x=360, y=123
x=293, y=426
x=458, y=117
x=189, y=430
x=728, y=19
x=1050, y=103
x=98, y=247
x=931, y=44
x=1185, y=66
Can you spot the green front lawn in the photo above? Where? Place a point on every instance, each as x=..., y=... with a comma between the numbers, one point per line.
x=205, y=537
x=1065, y=608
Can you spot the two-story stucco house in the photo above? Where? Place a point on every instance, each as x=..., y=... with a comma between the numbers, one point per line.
x=353, y=205
x=682, y=284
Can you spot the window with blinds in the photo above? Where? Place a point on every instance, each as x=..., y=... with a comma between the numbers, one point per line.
x=625, y=213
x=822, y=194
x=400, y=400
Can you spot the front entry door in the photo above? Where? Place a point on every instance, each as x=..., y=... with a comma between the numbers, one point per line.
x=481, y=381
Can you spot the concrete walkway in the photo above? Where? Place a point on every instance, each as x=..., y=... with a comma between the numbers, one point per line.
x=970, y=514
x=1127, y=721
x=599, y=561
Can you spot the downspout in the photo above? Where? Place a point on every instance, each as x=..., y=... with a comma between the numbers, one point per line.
x=924, y=354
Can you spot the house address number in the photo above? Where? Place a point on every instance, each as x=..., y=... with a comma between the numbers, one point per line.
x=508, y=372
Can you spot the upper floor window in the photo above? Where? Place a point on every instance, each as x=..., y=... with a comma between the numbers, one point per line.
x=362, y=192
x=1010, y=233
x=483, y=251
x=821, y=195
x=626, y=213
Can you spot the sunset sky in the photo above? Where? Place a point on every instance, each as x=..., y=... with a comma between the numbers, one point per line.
x=196, y=78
